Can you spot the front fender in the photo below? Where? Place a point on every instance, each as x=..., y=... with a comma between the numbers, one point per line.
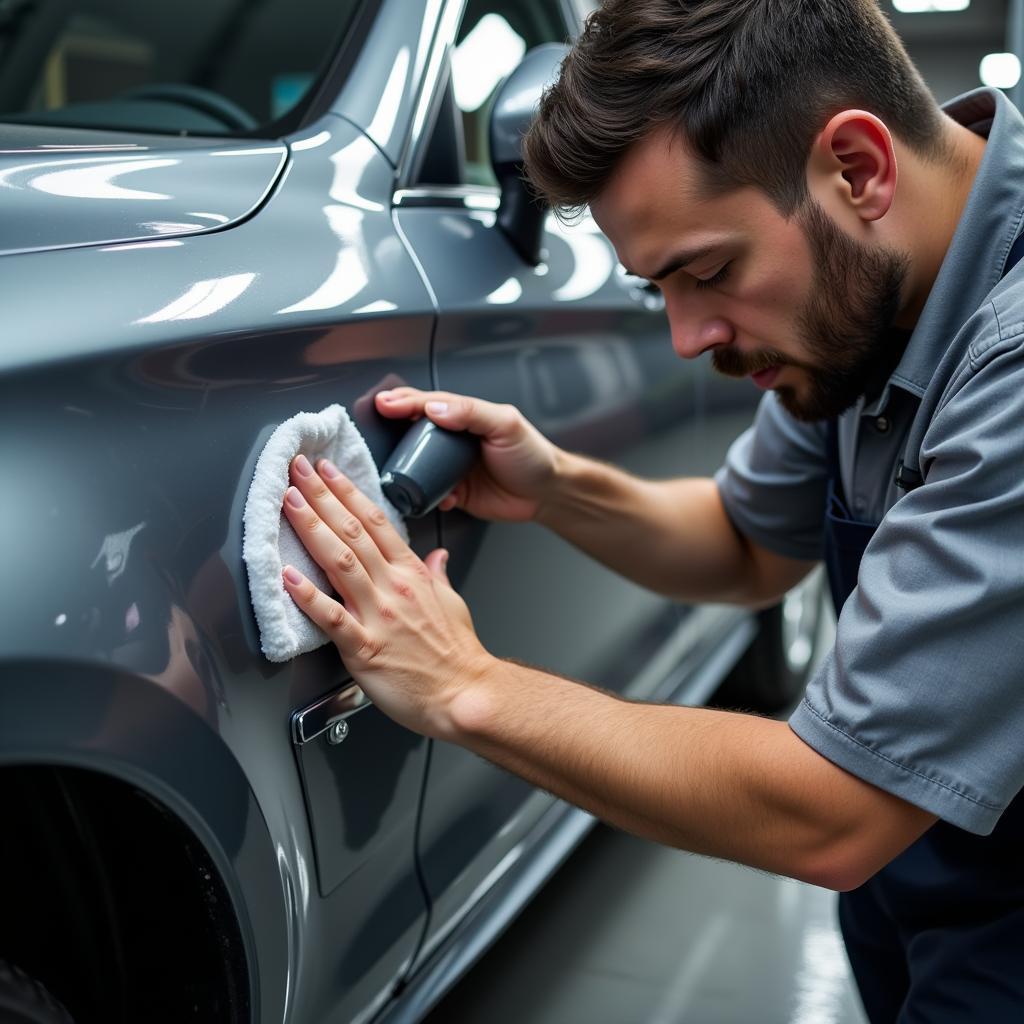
x=129, y=728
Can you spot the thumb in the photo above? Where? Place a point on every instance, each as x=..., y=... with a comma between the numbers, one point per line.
x=437, y=563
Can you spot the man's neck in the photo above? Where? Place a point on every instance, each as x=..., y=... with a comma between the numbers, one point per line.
x=934, y=197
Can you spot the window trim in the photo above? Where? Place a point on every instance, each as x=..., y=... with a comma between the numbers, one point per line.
x=429, y=102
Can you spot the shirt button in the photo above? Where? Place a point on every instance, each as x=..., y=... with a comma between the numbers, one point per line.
x=882, y=425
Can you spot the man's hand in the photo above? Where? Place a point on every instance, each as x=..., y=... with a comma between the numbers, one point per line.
x=403, y=632
x=517, y=465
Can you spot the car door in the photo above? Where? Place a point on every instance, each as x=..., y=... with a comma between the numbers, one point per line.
x=583, y=350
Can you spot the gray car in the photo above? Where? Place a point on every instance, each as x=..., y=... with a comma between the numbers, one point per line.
x=215, y=215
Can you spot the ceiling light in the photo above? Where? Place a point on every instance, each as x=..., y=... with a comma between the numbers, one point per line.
x=1000, y=70
x=929, y=6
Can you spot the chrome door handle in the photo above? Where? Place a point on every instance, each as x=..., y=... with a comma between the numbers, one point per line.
x=330, y=713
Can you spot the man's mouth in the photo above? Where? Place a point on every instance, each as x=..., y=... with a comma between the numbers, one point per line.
x=764, y=379
x=759, y=366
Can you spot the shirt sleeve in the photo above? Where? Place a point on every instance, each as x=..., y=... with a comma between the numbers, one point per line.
x=922, y=692
x=774, y=481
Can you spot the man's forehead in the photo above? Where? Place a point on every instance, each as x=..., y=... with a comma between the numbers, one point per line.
x=654, y=202
x=657, y=201
x=654, y=175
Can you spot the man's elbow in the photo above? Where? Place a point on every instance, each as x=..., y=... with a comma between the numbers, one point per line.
x=847, y=860
x=840, y=872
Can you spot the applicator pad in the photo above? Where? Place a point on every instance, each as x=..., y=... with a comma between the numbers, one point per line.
x=268, y=540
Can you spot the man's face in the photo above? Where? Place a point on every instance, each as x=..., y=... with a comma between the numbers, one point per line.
x=797, y=305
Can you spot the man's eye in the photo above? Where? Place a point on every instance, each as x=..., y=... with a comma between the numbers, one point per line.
x=711, y=282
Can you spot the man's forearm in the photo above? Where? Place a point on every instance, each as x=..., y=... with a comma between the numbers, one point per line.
x=671, y=536
x=711, y=782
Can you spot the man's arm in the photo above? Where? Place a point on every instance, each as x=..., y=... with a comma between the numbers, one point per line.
x=735, y=786
x=672, y=536
x=727, y=785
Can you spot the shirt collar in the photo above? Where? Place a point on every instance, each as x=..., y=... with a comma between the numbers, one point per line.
x=977, y=253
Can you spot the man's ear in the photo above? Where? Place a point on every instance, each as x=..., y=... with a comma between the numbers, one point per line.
x=853, y=161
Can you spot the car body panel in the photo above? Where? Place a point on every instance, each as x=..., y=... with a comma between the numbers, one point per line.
x=62, y=186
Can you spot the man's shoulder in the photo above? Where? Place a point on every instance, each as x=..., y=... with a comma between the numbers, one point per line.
x=999, y=324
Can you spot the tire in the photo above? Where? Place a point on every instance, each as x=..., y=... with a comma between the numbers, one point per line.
x=772, y=674
x=23, y=1000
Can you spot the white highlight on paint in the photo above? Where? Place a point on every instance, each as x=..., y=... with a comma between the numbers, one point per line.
x=349, y=276
x=386, y=114
x=98, y=182
x=505, y=294
x=1000, y=70
x=380, y=306
x=312, y=142
x=202, y=299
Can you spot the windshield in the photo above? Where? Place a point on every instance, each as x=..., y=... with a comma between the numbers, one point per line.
x=192, y=66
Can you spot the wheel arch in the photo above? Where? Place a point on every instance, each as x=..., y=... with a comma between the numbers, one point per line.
x=119, y=741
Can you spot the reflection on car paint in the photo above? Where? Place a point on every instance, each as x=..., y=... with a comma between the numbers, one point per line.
x=114, y=551
x=204, y=298
x=98, y=182
x=217, y=218
x=386, y=115
x=351, y=164
x=349, y=276
x=509, y=292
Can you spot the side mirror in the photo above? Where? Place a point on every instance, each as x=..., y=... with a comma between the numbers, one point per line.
x=520, y=215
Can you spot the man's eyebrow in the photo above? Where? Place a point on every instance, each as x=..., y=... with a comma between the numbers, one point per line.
x=680, y=260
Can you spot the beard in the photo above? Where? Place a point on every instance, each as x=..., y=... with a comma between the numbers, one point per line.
x=845, y=324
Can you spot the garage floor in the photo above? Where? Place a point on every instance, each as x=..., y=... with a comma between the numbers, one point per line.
x=632, y=933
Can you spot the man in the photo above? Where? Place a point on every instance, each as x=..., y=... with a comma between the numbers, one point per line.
x=814, y=221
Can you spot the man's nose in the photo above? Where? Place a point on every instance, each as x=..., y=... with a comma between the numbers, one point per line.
x=693, y=334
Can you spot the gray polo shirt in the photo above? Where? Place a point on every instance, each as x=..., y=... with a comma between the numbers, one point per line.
x=923, y=692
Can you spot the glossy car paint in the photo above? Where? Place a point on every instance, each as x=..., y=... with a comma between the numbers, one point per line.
x=150, y=187
x=138, y=382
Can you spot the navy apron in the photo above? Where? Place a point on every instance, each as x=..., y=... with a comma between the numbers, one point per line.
x=937, y=936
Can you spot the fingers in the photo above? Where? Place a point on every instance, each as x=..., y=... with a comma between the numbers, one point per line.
x=387, y=541
x=344, y=521
x=456, y=412
x=327, y=613
x=341, y=564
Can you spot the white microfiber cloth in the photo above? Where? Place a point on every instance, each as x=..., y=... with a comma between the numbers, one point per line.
x=268, y=540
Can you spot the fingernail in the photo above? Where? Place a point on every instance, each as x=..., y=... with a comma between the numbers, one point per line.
x=386, y=395
x=294, y=497
x=329, y=469
x=436, y=407
x=444, y=560
x=293, y=576
x=302, y=466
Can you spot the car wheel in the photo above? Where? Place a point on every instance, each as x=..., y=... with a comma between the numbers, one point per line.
x=773, y=672
x=23, y=1000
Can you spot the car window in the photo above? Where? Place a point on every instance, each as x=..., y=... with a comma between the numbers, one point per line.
x=206, y=66
x=492, y=39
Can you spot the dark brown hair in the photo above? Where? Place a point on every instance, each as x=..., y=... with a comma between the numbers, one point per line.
x=750, y=83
